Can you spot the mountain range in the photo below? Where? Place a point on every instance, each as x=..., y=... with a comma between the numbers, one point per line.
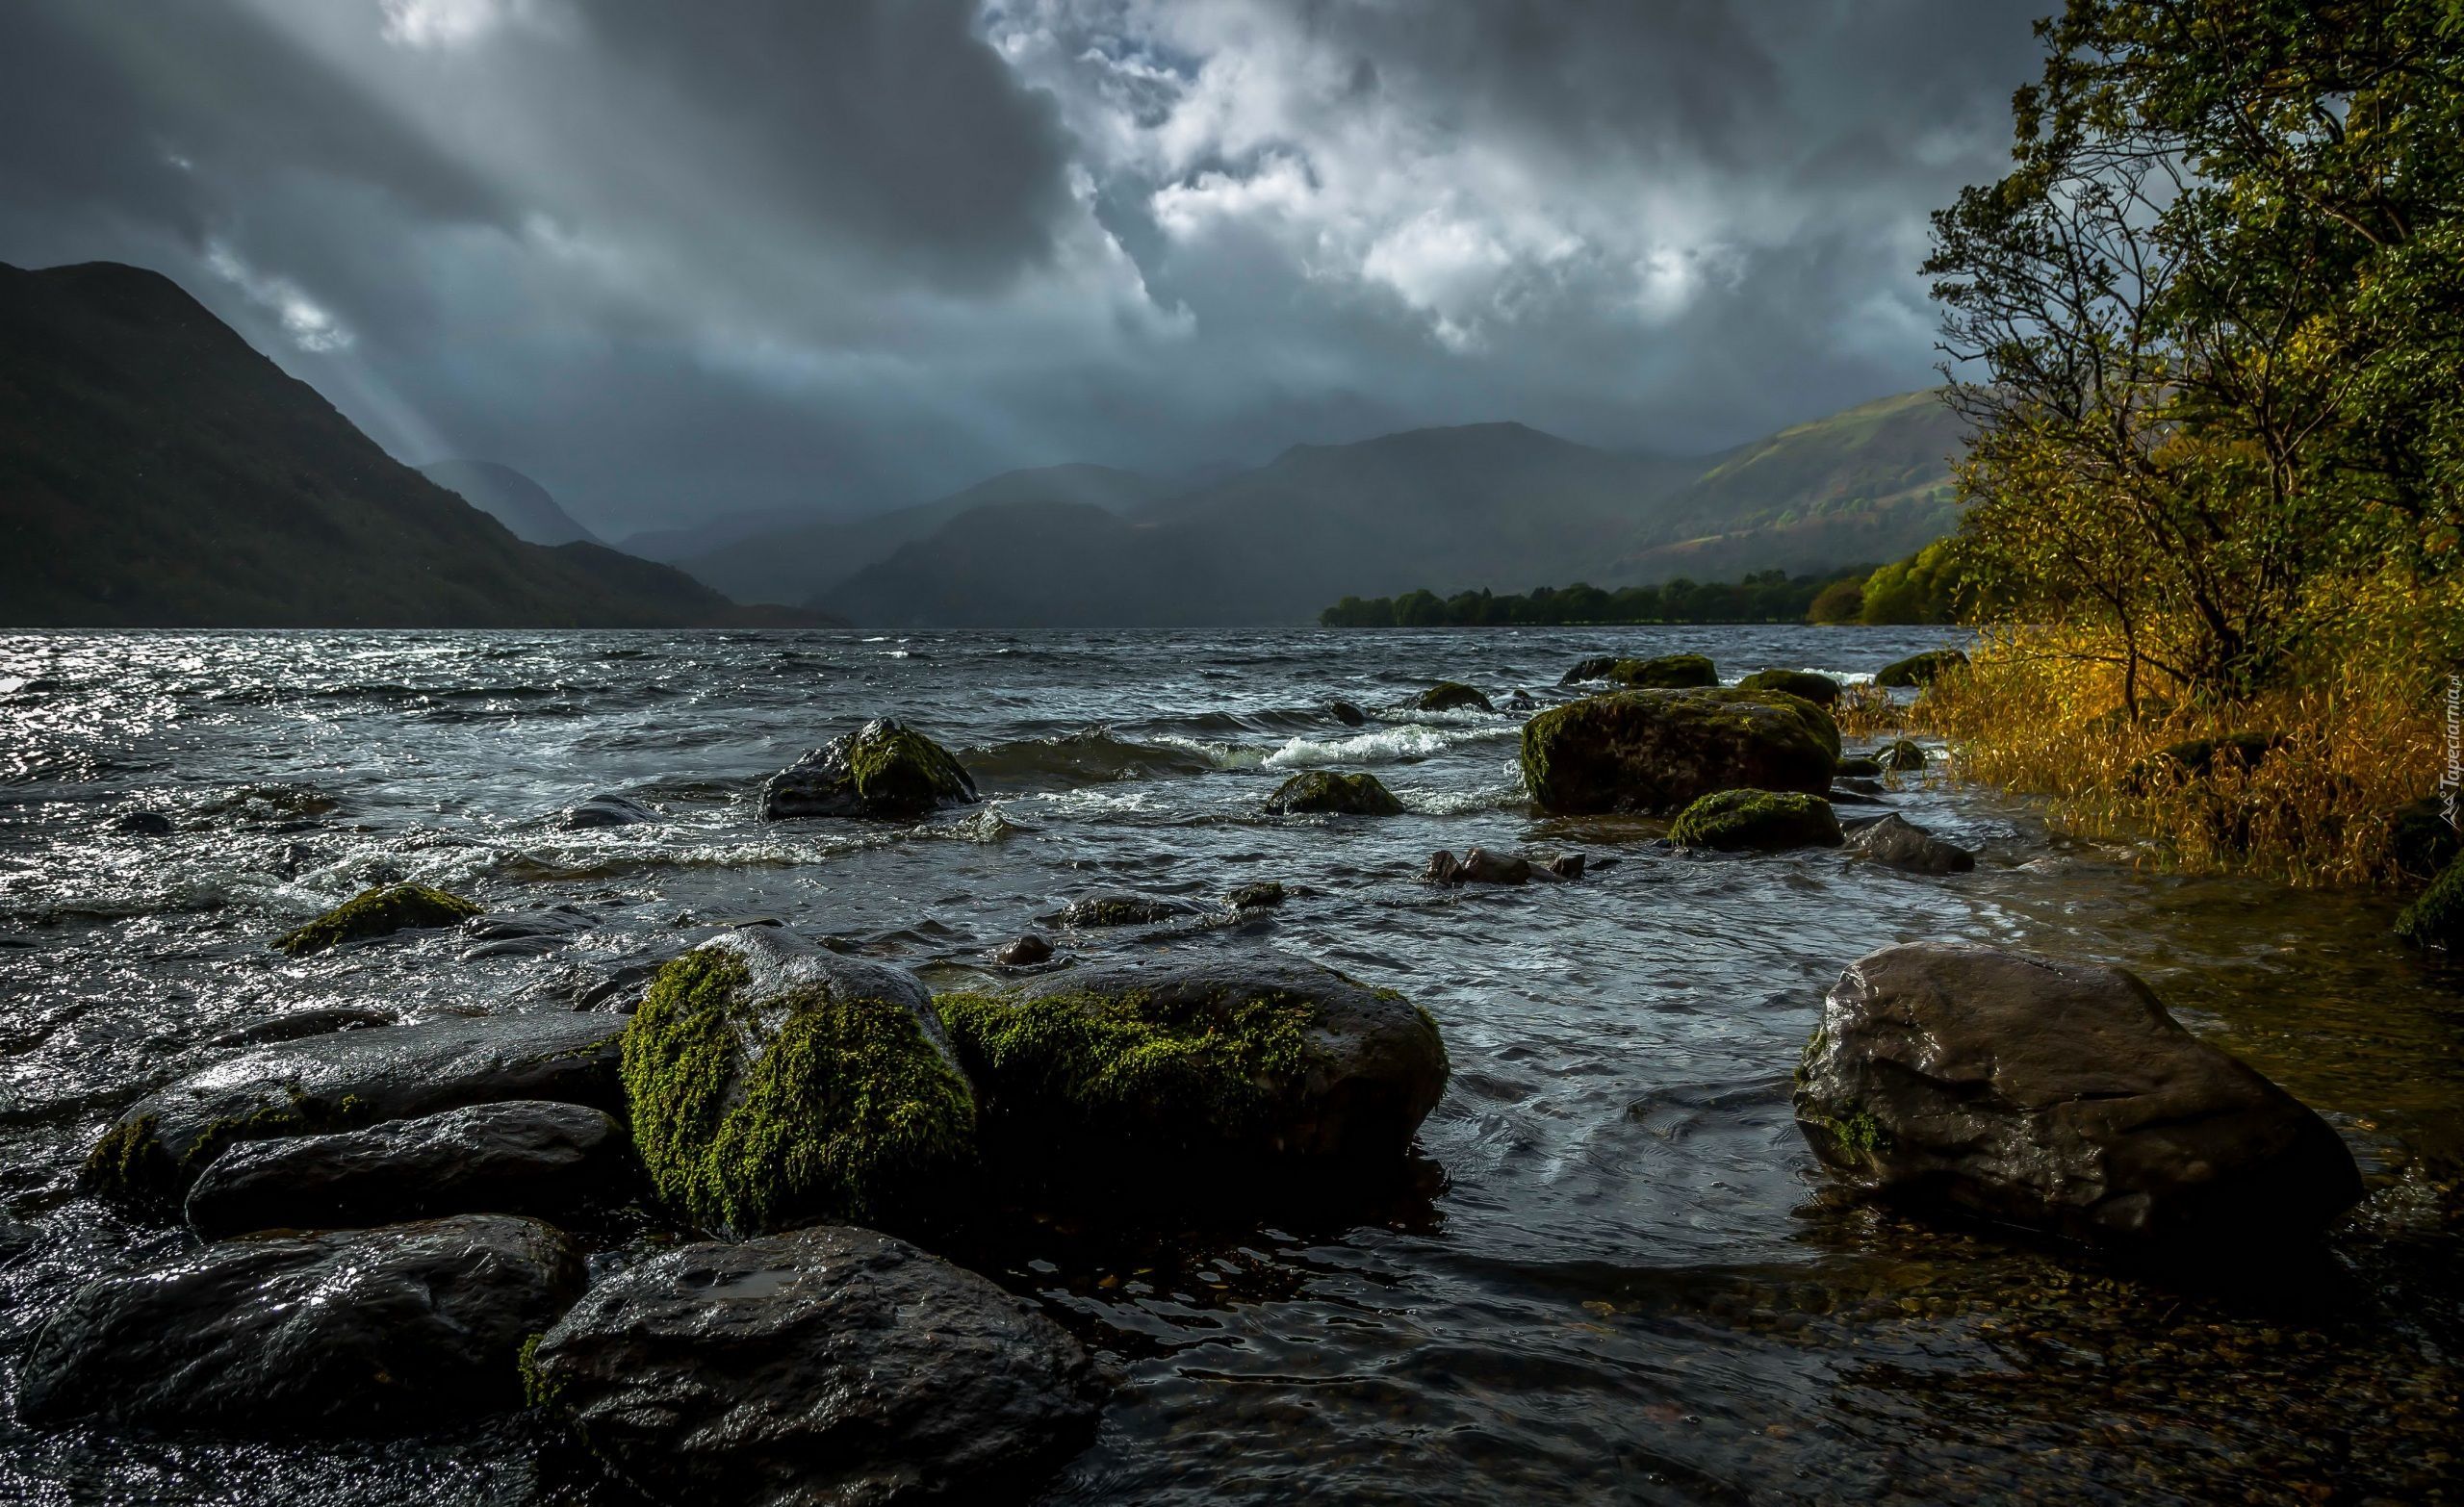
x=157, y=471
x=510, y=498
x=1498, y=506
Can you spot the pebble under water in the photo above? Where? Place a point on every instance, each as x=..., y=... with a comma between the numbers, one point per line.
x=1612, y=1275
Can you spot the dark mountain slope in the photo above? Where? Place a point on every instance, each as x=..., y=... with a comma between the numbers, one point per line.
x=155, y=470
x=511, y=498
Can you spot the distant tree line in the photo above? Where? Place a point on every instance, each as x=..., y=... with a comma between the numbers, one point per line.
x=1763, y=597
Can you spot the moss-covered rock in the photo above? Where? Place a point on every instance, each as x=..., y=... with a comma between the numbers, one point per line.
x=1764, y=819
x=1668, y=672
x=1921, y=669
x=1901, y=755
x=1656, y=750
x=1122, y=908
x=2436, y=918
x=1820, y=689
x=1213, y=1059
x=1265, y=895
x=883, y=769
x=1594, y=668
x=771, y=1082
x=2196, y=758
x=1451, y=696
x=2421, y=839
x=378, y=912
x=1326, y=790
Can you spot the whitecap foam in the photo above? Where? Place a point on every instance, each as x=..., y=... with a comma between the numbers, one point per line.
x=1221, y=755
x=1403, y=745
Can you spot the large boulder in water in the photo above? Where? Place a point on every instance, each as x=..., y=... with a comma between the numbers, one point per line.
x=883, y=769
x=1820, y=689
x=1451, y=696
x=770, y=1080
x=1200, y=1059
x=1667, y=672
x=1765, y=821
x=1326, y=790
x=529, y=1155
x=1897, y=843
x=2060, y=1096
x=1658, y=750
x=394, y=1329
x=827, y=1365
x=161, y=1143
x=378, y=912
x=1922, y=668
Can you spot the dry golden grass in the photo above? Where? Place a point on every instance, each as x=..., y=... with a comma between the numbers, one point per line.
x=2363, y=733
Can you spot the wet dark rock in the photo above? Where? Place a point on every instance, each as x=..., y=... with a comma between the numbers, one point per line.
x=2422, y=839
x=2436, y=918
x=1595, y=668
x=1451, y=696
x=526, y=1156
x=1216, y=1058
x=2197, y=758
x=1479, y=866
x=1852, y=792
x=1323, y=790
x=1521, y=702
x=1900, y=755
x=142, y=824
x=2061, y=1096
x=1262, y=896
x=1123, y=909
x=1897, y=843
x=1658, y=750
x=1859, y=767
x=880, y=769
x=1667, y=672
x=301, y=1024
x=1820, y=689
x=521, y=934
x=1920, y=669
x=380, y=911
x=1348, y=713
x=1762, y=821
x=1024, y=951
x=17, y=1238
x=770, y=1082
x=389, y=1330
x=603, y=810
x=164, y=1141
x=1567, y=865
x=828, y=1364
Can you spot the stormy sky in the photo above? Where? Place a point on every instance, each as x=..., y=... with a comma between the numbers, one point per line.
x=688, y=258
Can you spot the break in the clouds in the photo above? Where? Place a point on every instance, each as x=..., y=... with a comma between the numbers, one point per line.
x=758, y=254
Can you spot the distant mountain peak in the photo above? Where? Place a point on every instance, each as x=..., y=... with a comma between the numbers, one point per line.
x=511, y=498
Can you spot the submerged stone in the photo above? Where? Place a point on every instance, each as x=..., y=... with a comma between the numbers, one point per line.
x=769, y=1080
x=162, y=1143
x=1762, y=820
x=829, y=1364
x=390, y=1330
x=1122, y=908
x=526, y=1156
x=883, y=769
x=378, y=912
x=1901, y=755
x=1478, y=866
x=1348, y=713
x=1658, y=751
x=1897, y=843
x=1451, y=696
x=1261, y=896
x=1921, y=669
x=1668, y=672
x=2061, y=1096
x=1023, y=951
x=1326, y=790
x=1225, y=1058
x=1820, y=689
x=605, y=811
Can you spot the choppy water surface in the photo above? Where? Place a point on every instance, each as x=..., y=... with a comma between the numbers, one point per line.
x=1617, y=1281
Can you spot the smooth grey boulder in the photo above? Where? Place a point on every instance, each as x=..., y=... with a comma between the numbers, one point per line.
x=162, y=1143
x=1897, y=843
x=828, y=1364
x=1195, y=1057
x=526, y=1156
x=881, y=769
x=389, y=1330
x=2060, y=1096
x=603, y=810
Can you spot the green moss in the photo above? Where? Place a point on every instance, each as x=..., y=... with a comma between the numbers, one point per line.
x=1820, y=689
x=1860, y=1134
x=1325, y=790
x=1668, y=672
x=898, y=768
x=132, y=1164
x=1761, y=819
x=1655, y=750
x=848, y=1111
x=2436, y=919
x=378, y=912
x=1132, y=1068
x=537, y=1391
x=128, y=1162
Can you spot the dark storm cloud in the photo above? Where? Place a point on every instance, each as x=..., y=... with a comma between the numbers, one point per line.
x=679, y=259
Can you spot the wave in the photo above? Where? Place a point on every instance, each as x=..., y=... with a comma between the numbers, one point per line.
x=1096, y=755
x=1409, y=744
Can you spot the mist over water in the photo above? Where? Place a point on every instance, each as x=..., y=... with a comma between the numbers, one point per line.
x=1612, y=1276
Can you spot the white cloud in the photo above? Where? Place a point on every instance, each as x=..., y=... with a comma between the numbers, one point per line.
x=304, y=322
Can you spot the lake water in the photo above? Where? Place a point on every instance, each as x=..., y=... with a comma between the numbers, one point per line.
x=1617, y=1277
